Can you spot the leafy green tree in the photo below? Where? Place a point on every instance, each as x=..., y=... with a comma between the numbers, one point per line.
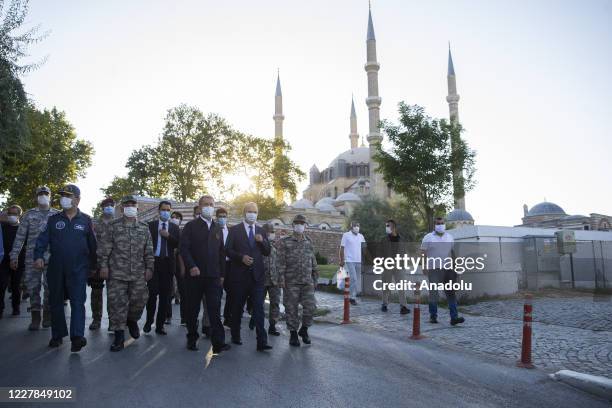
x=420, y=163
x=372, y=213
x=267, y=206
x=54, y=157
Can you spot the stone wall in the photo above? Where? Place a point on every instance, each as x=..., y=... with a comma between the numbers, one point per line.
x=327, y=243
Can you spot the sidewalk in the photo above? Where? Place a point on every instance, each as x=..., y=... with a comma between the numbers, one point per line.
x=568, y=333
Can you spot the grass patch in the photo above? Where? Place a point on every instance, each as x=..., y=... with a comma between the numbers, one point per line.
x=327, y=271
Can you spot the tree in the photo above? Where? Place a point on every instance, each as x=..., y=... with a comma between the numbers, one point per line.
x=54, y=157
x=14, y=132
x=268, y=208
x=372, y=213
x=420, y=163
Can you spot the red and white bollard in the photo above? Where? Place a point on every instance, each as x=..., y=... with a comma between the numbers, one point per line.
x=347, y=303
x=525, y=361
x=416, y=318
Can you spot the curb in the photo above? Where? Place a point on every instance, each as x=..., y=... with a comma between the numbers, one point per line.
x=593, y=384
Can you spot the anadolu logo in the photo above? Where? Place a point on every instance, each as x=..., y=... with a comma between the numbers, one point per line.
x=60, y=225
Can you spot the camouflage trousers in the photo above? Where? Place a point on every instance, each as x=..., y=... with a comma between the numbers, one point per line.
x=125, y=301
x=97, y=287
x=295, y=295
x=273, y=293
x=35, y=280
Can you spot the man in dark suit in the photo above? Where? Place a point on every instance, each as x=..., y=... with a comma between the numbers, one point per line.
x=202, y=251
x=165, y=239
x=246, y=246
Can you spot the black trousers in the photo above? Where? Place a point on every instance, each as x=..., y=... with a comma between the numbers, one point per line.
x=195, y=288
x=6, y=275
x=160, y=286
x=241, y=290
x=227, y=309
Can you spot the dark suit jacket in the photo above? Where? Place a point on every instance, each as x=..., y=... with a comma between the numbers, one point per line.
x=173, y=239
x=237, y=246
x=203, y=248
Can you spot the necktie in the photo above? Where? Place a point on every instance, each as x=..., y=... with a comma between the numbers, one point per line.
x=163, y=252
x=251, y=237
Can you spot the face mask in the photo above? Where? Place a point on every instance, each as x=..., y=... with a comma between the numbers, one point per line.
x=43, y=199
x=299, y=228
x=109, y=210
x=164, y=215
x=175, y=221
x=222, y=221
x=355, y=230
x=130, y=212
x=13, y=219
x=250, y=217
x=66, y=203
x=207, y=212
x=388, y=230
x=440, y=228
x=271, y=237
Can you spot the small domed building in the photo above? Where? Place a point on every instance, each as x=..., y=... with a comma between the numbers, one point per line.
x=551, y=215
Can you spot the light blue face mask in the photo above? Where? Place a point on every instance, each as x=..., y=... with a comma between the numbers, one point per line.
x=109, y=210
x=222, y=221
x=164, y=215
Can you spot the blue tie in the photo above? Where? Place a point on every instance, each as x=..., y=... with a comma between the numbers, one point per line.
x=251, y=237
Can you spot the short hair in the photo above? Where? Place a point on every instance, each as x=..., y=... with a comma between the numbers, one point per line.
x=16, y=207
x=178, y=215
x=439, y=218
x=206, y=196
x=354, y=222
x=164, y=202
x=249, y=204
x=391, y=221
x=220, y=210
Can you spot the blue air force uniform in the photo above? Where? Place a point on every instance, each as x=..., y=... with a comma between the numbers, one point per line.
x=72, y=245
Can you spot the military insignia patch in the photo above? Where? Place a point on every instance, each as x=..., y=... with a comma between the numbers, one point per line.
x=60, y=225
x=79, y=227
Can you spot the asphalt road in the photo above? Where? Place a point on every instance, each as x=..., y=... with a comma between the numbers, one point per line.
x=345, y=366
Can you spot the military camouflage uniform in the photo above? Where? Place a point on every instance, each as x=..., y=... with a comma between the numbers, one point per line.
x=126, y=250
x=297, y=272
x=101, y=226
x=29, y=229
x=271, y=287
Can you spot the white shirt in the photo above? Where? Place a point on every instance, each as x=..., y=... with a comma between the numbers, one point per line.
x=436, y=246
x=159, y=238
x=246, y=228
x=352, y=246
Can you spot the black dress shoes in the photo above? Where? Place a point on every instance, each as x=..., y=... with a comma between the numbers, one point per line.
x=192, y=345
x=219, y=349
x=147, y=327
x=237, y=341
x=264, y=347
x=53, y=343
x=77, y=344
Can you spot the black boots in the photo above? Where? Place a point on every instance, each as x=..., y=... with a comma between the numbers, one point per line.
x=133, y=329
x=77, y=343
x=54, y=343
x=293, y=340
x=35, y=325
x=118, y=342
x=46, y=319
x=272, y=330
x=304, y=335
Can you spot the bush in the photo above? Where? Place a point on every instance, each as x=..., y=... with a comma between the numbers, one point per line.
x=321, y=260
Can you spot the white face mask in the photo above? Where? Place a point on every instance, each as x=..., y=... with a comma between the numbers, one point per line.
x=13, y=219
x=207, y=212
x=440, y=228
x=299, y=228
x=355, y=230
x=43, y=199
x=388, y=230
x=271, y=237
x=175, y=221
x=130, y=212
x=66, y=203
x=250, y=217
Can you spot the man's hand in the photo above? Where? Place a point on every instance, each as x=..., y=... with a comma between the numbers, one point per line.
x=39, y=263
x=103, y=273
x=247, y=260
x=14, y=265
x=164, y=233
x=258, y=238
x=195, y=271
x=148, y=274
x=341, y=263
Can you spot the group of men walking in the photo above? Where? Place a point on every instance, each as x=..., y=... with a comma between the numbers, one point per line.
x=66, y=250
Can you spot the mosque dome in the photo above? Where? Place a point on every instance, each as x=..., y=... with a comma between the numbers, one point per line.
x=324, y=201
x=348, y=197
x=302, y=204
x=545, y=208
x=325, y=207
x=458, y=215
x=355, y=155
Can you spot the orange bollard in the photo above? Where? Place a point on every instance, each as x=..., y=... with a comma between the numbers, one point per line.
x=525, y=361
x=347, y=304
x=416, y=319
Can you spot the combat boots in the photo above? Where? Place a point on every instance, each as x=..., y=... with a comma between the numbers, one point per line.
x=35, y=325
x=133, y=329
x=304, y=335
x=293, y=340
x=272, y=329
x=118, y=342
x=46, y=320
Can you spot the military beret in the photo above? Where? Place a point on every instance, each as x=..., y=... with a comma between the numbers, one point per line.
x=70, y=189
x=299, y=218
x=129, y=199
x=43, y=189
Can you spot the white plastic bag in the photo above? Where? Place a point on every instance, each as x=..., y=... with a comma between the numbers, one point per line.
x=340, y=275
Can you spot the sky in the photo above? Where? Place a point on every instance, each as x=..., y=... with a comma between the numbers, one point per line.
x=534, y=80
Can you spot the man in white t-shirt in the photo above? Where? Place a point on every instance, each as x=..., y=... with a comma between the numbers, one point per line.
x=437, y=247
x=350, y=258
